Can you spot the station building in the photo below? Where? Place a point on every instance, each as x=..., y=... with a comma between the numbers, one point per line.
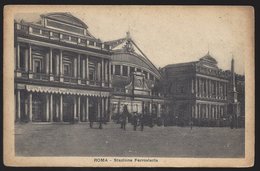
x=203, y=93
x=62, y=72
x=135, y=80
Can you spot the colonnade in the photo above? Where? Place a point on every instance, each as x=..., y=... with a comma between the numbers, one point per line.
x=208, y=110
x=209, y=88
x=143, y=105
x=80, y=68
x=148, y=76
x=54, y=107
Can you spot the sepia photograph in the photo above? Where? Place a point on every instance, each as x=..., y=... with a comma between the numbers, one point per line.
x=120, y=86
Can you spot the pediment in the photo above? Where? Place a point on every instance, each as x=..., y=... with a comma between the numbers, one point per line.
x=66, y=18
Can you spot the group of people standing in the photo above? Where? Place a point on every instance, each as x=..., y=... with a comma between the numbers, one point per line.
x=136, y=119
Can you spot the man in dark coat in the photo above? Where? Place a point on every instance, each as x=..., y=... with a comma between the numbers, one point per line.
x=91, y=119
x=135, y=121
x=142, y=121
x=124, y=117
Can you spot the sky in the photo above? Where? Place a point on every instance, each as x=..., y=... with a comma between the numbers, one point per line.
x=173, y=34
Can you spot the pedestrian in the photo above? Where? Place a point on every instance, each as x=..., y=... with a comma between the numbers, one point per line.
x=91, y=119
x=231, y=121
x=191, y=124
x=142, y=122
x=100, y=122
x=135, y=121
x=125, y=113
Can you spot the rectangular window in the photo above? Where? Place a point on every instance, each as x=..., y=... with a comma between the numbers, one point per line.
x=74, y=39
x=91, y=74
x=99, y=44
x=145, y=74
x=37, y=66
x=112, y=69
x=132, y=69
x=91, y=43
x=22, y=58
x=151, y=77
x=65, y=37
x=66, y=69
x=117, y=69
x=138, y=70
x=45, y=33
x=124, y=70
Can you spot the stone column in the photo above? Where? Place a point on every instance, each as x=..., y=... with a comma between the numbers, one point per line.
x=196, y=86
x=98, y=108
x=207, y=88
x=106, y=67
x=87, y=108
x=121, y=69
x=51, y=72
x=30, y=61
x=61, y=66
x=109, y=109
x=51, y=107
x=159, y=110
x=98, y=71
x=223, y=90
x=75, y=107
x=109, y=74
x=83, y=111
x=216, y=90
x=102, y=107
x=47, y=63
x=192, y=85
x=199, y=112
x=83, y=69
x=61, y=108
x=57, y=64
x=47, y=107
x=196, y=110
x=102, y=72
x=18, y=108
x=78, y=67
x=202, y=87
x=75, y=67
x=199, y=87
x=114, y=68
x=79, y=109
x=26, y=59
x=209, y=110
x=150, y=107
x=128, y=71
x=50, y=64
x=30, y=106
x=106, y=107
x=18, y=56
x=87, y=71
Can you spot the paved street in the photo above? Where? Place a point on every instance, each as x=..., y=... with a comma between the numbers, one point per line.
x=79, y=140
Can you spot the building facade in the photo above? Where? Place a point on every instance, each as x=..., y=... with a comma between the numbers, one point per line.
x=62, y=72
x=202, y=93
x=134, y=80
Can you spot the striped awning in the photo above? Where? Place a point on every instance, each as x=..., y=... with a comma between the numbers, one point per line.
x=66, y=91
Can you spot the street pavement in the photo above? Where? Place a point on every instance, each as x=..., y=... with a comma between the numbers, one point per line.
x=36, y=139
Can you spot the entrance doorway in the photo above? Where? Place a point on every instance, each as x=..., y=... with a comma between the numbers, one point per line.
x=68, y=106
x=38, y=107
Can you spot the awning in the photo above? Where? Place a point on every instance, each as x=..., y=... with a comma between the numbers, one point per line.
x=66, y=91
